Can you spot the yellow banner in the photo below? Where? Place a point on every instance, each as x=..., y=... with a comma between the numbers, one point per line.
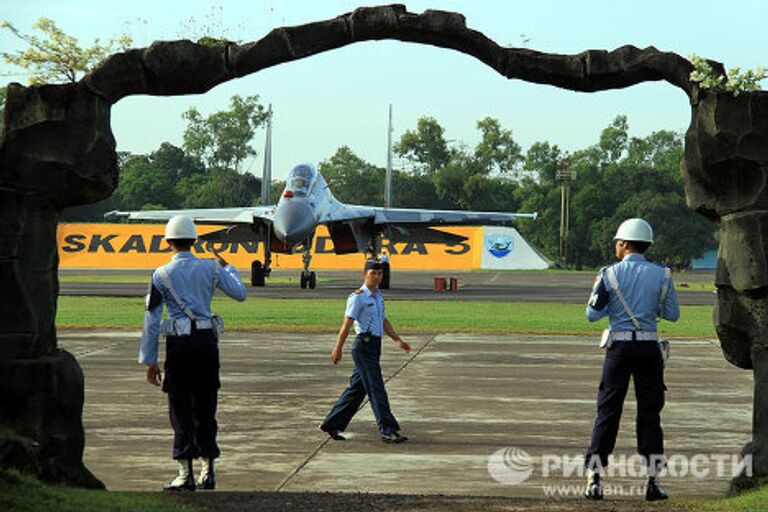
x=143, y=246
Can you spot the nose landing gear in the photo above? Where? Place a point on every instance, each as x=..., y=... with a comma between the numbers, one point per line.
x=308, y=278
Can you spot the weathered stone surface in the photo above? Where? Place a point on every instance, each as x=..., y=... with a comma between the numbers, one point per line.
x=741, y=258
x=43, y=401
x=726, y=156
x=58, y=143
x=58, y=151
x=740, y=323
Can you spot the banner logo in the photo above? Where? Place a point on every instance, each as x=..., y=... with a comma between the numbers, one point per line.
x=499, y=245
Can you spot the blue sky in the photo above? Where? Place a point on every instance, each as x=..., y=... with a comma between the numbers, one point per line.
x=342, y=97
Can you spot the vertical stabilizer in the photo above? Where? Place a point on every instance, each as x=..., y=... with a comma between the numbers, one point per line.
x=266, y=177
x=388, y=182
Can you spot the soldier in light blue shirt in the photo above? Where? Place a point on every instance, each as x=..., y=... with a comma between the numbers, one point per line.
x=633, y=294
x=365, y=311
x=186, y=286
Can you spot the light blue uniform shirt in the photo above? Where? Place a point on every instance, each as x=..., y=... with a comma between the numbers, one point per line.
x=368, y=311
x=640, y=282
x=193, y=280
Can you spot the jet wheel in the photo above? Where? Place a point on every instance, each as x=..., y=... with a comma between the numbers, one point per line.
x=303, y=281
x=312, y=281
x=257, y=273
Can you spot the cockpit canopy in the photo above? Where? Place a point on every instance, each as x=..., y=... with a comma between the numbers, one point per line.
x=301, y=178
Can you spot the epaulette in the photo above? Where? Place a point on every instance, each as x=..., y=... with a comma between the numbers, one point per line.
x=358, y=291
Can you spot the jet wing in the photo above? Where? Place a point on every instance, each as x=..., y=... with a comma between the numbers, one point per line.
x=406, y=216
x=246, y=215
x=352, y=227
x=413, y=232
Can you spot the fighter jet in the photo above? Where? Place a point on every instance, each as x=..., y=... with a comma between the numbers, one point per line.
x=307, y=202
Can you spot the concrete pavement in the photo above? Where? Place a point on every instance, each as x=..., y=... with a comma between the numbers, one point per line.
x=459, y=397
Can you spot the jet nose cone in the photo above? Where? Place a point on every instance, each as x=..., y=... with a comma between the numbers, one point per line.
x=294, y=222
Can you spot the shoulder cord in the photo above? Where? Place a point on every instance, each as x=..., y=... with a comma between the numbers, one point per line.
x=611, y=274
x=162, y=273
x=216, y=275
x=664, y=288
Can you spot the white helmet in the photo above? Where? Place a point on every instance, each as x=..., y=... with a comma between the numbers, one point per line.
x=635, y=230
x=180, y=227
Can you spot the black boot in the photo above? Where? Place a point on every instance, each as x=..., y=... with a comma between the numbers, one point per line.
x=207, y=478
x=654, y=492
x=594, y=489
x=185, y=481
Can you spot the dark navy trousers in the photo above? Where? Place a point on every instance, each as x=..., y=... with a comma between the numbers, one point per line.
x=366, y=379
x=192, y=384
x=642, y=361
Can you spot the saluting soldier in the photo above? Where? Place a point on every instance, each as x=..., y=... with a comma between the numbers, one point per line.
x=632, y=293
x=386, y=271
x=186, y=286
x=365, y=311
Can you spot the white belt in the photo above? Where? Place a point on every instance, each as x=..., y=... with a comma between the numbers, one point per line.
x=183, y=326
x=634, y=335
x=205, y=323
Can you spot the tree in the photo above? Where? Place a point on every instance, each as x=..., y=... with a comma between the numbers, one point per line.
x=175, y=161
x=426, y=146
x=352, y=179
x=220, y=188
x=54, y=56
x=613, y=139
x=497, y=150
x=222, y=140
x=141, y=183
x=541, y=161
x=450, y=181
x=414, y=191
x=681, y=234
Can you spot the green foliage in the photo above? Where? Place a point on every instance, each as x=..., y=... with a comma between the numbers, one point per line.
x=142, y=184
x=736, y=82
x=413, y=190
x=541, y=161
x=618, y=178
x=353, y=180
x=220, y=188
x=54, y=56
x=222, y=140
x=211, y=30
x=613, y=139
x=462, y=179
x=426, y=146
x=497, y=150
x=174, y=161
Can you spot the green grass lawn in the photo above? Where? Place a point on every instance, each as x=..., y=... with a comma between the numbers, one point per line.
x=407, y=316
x=751, y=501
x=144, y=279
x=23, y=493
x=694, y=286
